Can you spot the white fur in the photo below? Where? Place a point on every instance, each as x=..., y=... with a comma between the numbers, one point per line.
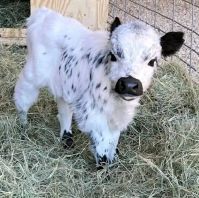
x=97, y=108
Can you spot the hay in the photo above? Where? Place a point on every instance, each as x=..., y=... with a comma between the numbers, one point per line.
x=13, y=13
x=158, y=154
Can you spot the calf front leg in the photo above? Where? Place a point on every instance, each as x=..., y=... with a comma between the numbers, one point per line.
x=65, y=119
x=104, y=145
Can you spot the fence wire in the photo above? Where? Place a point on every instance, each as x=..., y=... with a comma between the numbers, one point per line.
x=165, y=16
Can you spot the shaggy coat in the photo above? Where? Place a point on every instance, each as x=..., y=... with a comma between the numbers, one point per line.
x=86, y=71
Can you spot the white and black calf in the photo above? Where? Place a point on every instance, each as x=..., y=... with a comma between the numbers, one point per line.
x=97, y=77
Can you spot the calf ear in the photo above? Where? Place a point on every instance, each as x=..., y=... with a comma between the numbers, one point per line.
x=171, y=42
x=115, y=24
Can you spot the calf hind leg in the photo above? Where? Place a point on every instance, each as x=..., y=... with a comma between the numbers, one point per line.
x=25, y=95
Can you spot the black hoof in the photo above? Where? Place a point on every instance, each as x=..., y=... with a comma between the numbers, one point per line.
x=117, y=151
x=67, y=140
x=100, y=167
x=102, y=162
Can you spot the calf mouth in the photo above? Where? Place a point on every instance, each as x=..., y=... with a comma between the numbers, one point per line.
x=129, y=88
x=127, y=97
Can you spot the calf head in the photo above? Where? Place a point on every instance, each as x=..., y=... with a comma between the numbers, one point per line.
x=135, y=50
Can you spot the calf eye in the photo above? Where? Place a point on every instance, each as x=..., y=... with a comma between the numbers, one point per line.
x=113, y=58
x=151, y=62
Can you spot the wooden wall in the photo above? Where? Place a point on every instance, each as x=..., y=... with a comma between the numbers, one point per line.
x=92, y=13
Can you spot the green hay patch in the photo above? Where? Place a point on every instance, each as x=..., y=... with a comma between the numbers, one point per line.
x=13, y=13
x=159, y=154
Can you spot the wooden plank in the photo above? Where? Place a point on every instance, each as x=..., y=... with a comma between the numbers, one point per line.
x=13, y=41
x=12, y=33
x=92, y=13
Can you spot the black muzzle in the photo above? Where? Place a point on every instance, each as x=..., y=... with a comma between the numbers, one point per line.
x=129, y=87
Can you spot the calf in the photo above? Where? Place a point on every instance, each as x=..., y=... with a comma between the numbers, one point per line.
x=97, y=77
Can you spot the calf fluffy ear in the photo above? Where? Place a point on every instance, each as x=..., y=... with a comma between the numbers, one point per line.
x=115, y=24
x=171, y=42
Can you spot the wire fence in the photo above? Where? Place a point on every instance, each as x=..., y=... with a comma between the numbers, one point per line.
x=165, y=16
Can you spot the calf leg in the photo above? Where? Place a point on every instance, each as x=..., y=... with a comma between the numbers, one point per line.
x=25, y=95
x=65, y=119
x=104, y=143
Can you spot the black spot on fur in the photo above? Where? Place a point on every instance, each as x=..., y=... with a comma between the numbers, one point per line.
x=106, y=59
x=65, y=54
x=65, y=67
x=146, y=58
x=88, y=87
x=91, y=75
x=96, y=57
x=76, y=62
x=73, y=88
x=105, y=101
x=115, y=24
x=84, y=105
x=86, y=117
x=120, y=53
x=171, y=42
x=105, y=88
x=98, y=86
x=88, y=55
x=71, y=72
x=99, y=61
x=69, y=59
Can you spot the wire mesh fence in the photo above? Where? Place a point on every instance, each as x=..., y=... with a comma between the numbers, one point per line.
x=166, y=15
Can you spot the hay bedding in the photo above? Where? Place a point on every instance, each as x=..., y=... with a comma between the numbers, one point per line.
x=158, y=154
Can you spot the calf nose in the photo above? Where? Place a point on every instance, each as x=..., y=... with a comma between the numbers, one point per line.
x=129, y=85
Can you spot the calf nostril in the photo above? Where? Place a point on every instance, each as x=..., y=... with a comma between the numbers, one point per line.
x=121, y=85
